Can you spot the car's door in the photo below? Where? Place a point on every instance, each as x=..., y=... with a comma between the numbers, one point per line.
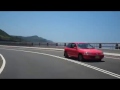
x=68, y=49
x=73, y=50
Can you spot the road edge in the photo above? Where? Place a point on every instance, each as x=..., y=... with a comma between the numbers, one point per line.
x=3, y=64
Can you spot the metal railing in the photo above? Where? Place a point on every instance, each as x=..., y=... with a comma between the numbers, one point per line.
x=97, y=45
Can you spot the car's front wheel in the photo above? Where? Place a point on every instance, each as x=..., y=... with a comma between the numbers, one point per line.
x=65, y=55
x=80, y=57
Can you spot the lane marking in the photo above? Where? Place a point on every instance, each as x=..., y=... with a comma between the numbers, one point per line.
x=3, y=64
x=112, y=57
x=77, y=62
x=112, y=54
x=109, y=49
x=47, y=50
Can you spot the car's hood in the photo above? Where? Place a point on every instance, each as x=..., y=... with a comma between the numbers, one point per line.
x=91, y=50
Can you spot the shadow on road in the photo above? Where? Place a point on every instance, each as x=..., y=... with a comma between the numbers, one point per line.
x=90, y=61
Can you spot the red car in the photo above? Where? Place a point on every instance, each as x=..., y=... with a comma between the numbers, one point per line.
x=83, y=51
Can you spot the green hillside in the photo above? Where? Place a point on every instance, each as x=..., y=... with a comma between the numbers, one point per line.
x=34, y=39
x=6, y=37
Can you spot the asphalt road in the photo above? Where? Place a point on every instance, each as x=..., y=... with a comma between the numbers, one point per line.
x=21, y=64
x=1, y=62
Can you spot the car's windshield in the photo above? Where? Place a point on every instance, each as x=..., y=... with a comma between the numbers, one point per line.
x=85, y=46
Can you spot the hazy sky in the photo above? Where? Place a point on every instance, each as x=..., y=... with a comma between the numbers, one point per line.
x=79, y=26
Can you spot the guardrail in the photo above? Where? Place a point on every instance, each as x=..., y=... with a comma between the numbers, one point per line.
x=97, y=45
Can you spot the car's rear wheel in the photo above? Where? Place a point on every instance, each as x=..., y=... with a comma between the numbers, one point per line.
x=80, y=57
x=65, y=55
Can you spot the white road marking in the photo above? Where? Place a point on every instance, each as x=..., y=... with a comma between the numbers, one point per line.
x=107, y=49
x=112, y=57
x=112, y=54
x=3, y=64
x=34, y=47
x=48, y=50
x=77, y=62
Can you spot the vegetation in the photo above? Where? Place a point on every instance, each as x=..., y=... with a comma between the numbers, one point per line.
x=6, y=37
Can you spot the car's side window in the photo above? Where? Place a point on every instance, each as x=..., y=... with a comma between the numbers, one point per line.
x=73, y=45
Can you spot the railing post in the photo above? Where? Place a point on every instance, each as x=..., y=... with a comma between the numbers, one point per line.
x=47, y=44
x=116, y=46
x=64, y=44
x=56, y=44
x=100, y=45
x=32, y=43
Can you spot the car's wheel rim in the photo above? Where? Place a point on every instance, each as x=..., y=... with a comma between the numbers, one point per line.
x=65, y=54
x=80, y=57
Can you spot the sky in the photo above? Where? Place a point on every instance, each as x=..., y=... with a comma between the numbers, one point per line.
x=63, y=26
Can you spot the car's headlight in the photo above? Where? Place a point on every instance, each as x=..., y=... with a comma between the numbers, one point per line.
x=87, y=53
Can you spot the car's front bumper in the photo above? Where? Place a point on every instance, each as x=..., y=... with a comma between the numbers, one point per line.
x=93, y=57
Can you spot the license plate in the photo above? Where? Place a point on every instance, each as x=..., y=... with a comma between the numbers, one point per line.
x=97, y=57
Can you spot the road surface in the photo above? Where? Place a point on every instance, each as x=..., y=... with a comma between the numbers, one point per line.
x=42, y=64
x=1, y=62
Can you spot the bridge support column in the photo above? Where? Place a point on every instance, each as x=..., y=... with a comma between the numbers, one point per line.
x=64, y=44
x=56, y=44
x=32, y=44
x=47, y=44
x=116, y=46
x=100, y=45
